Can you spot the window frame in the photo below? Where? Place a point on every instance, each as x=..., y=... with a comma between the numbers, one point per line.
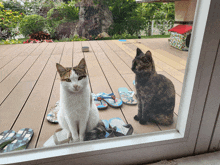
x=157, y=145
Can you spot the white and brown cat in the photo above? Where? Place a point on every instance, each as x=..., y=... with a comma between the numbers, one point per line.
x=78, y=114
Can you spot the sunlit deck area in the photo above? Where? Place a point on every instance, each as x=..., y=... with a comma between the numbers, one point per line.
x=29, y=82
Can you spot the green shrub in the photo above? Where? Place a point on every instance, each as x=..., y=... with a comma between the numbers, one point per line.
x=61, y=14
x=1, y=6
x=71, y=38
x=31, y=24
x=9, y=20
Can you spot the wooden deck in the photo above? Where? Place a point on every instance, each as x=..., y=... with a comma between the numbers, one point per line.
x=29, y=83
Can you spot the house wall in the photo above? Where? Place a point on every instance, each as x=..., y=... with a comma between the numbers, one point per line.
x=185, y=10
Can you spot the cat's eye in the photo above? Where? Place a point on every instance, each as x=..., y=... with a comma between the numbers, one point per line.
x=68, y=80
x=81, y=77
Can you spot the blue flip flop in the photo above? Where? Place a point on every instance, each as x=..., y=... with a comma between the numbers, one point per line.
x=6, y=137
x=127, y=96
x=99, y=102
x=21, y=141
x=134, y=82
x=110, y=99
x=52, y=115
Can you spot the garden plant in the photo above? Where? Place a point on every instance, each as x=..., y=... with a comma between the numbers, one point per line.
x=129, y=18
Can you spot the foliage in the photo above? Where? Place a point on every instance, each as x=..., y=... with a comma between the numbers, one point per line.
x=76, y=38
x=6, y=42
x=124, y=12
x=13, y=5
x=46, y=6
x=131, y=17
x=73, y=38
x=1, y=6
x=9, y=20
x=164, y=18
x=125, y=18
x=61, y=14
x=32, y=7
x=31, y=24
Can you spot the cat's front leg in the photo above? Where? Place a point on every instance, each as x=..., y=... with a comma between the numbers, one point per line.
x=73, y=127
x=145, y=111
x=82, y=129
x=139, y=115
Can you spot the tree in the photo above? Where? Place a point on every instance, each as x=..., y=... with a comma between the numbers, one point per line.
x=125, y=17
x=164, y=18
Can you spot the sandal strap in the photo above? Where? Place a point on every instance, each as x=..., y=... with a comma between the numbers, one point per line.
x=108, y=96
x=129, y=93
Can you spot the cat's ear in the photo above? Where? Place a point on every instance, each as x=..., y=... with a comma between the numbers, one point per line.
x=148, y=54
x=82, y=64
x=139, y=52
x=60, y=68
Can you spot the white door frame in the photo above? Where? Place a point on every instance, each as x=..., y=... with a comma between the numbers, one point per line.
x=158, y=145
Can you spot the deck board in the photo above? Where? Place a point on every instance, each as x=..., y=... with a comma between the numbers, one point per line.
x=59, y=48
x=4, y=48
x=6, y=70
x=167, y=66
x=159, y=56
x=48, y=129
x=7, y=51
x=13, y=79
x=30, y=84
x=23, y=90
x=11, y=54
x=99, y=82
x=33, y=113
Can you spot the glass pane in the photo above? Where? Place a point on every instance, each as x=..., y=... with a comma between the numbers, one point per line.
x=106, y=34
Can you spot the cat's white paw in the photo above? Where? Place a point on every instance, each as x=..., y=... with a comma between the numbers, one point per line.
x=75, y=140
x=81, y=138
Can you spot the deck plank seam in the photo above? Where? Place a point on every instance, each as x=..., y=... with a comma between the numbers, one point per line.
x=29, y=93
x=13, y=57
x=48, y=102
x=18, y=65
x=20, y=78
x=108, y=81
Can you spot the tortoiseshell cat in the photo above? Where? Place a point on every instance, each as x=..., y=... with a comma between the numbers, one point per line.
x=155, y=92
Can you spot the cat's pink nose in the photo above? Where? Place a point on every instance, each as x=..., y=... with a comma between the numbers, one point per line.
x=75, y=86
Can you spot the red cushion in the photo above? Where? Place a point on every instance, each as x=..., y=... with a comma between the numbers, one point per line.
x=181, y=29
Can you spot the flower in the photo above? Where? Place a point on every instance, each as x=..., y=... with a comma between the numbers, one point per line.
x=21, y=13
x=2, y=18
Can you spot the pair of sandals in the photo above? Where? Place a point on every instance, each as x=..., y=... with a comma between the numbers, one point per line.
x=102, y=100
x=12, y=141
x=114, y=127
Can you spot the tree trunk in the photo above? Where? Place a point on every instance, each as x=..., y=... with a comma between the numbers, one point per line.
x=149, y=28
